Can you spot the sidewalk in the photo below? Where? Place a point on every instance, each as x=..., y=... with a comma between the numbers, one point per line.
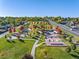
x=40, y=44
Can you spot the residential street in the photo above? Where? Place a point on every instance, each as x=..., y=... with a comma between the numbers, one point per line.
x=2, y=35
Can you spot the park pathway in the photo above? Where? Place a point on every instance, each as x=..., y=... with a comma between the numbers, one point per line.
x=40, y=44
x=33, y=49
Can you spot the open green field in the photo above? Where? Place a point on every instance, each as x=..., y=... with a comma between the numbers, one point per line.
x=14, y=50
x=52, y=53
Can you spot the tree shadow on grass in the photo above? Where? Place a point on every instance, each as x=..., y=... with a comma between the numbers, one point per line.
x=21, y=41
x=8, y=41
x=75, y=56
x=11, y=41
x=77, y=52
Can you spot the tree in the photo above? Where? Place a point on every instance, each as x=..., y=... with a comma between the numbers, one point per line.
x=1, y=22
x=21, y=28
x=74, y=47
x=70, y=39
x=10, y=30
x=27, y=56
x=68, y=49
x=14, y=29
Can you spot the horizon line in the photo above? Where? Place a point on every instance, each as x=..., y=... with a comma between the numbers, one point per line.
x=44, y=16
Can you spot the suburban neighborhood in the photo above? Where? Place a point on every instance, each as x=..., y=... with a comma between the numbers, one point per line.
x=34, y=37
x=39, y=29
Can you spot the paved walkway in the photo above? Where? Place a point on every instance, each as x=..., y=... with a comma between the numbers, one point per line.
x=39, y=44
x=33, y=49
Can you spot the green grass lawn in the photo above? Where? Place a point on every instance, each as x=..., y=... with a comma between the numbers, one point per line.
x=52, y=52
x=14, y=50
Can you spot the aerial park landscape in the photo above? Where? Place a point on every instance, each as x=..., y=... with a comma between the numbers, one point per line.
x=39, y=29
x=38, y=38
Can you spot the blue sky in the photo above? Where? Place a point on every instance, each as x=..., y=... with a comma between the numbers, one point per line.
x=62, y=8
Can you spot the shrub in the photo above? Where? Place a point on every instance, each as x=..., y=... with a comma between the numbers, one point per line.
x=68, y=49
x=73, y=46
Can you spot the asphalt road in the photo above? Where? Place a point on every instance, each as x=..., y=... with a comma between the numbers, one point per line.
x=66, y=28
x=2, y=35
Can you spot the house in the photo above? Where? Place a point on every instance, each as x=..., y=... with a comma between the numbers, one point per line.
x=54, y=40
x=3, y=29
x=64, y=22
x=58, y=30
